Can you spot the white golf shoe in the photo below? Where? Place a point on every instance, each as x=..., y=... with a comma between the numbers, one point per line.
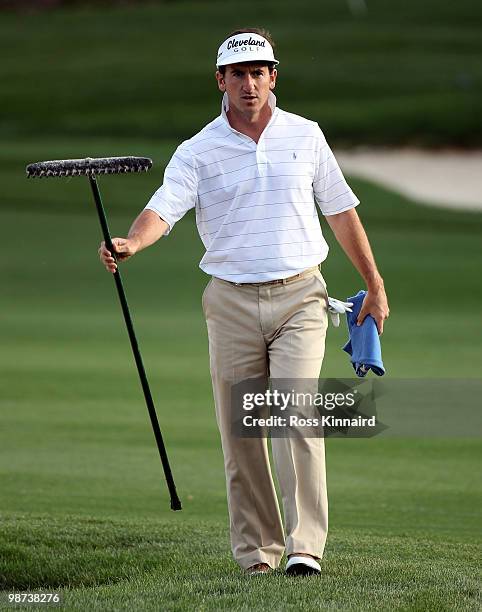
x=302, y=566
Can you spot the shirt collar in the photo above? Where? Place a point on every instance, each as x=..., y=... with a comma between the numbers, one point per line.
x=225, y=105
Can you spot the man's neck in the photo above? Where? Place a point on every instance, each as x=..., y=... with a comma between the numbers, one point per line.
x=250, y=125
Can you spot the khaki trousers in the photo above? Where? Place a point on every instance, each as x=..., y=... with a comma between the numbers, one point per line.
x=275, y=331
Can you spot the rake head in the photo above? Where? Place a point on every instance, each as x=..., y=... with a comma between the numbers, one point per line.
x=88, y=166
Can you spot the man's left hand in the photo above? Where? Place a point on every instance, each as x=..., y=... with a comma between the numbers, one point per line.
x=375, y=304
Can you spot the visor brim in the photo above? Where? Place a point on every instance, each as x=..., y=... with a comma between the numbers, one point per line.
x=245, y=58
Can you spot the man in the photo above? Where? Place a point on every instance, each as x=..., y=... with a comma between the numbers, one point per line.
x=253, y=176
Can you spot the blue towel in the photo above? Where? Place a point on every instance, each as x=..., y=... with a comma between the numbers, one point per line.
x=364, y=343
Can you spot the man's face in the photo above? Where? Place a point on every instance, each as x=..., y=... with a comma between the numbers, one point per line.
x=247, y=86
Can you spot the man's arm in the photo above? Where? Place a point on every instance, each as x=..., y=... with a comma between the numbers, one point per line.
x=349, y=232
x=146, y=229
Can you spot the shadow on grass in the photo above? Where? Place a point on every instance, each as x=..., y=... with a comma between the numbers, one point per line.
x=37, y=551
x=130, y=565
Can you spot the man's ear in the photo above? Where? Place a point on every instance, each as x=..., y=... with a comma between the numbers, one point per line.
x=272, y=76
x=220, y=80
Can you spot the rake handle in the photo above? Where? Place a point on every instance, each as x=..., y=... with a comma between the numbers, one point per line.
x=175, y=501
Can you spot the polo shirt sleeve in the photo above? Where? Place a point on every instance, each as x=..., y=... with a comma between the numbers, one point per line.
x=178, y=191
x=331, y=191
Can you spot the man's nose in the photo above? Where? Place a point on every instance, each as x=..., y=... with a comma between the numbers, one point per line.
x=248, y=82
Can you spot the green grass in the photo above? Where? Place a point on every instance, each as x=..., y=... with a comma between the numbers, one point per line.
x=404, y=72
x=83, y=507
x=125, y=565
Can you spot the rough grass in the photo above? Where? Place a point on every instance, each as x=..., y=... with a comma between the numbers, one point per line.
x=121, y=565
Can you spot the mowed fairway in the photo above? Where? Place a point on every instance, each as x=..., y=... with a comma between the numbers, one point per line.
x=84, y=510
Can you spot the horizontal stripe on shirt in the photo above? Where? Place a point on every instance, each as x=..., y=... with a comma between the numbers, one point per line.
x=214, y=171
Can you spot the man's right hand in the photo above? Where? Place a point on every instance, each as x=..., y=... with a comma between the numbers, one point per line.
x=123, y=248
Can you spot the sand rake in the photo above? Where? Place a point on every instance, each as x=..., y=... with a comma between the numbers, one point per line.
x=90, y=168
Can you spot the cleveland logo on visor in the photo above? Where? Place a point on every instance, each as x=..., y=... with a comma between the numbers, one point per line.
x=245, y=48
x=250, y=42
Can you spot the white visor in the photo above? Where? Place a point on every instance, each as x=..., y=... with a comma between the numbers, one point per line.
x=248, y=47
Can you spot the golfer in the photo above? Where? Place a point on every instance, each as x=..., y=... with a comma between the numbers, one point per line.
x=255, y=177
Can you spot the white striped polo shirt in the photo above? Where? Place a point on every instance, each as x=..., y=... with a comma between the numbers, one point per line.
x=255, y=203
